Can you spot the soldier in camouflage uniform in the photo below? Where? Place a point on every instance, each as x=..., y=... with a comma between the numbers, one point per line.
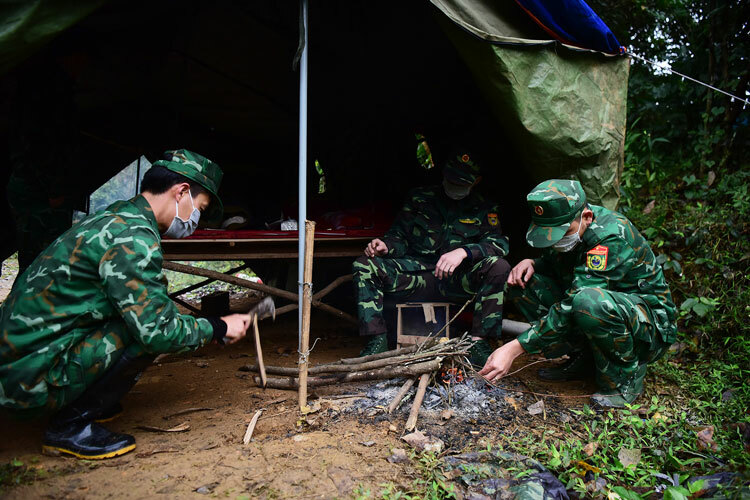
x=446, y=240
x=91, y=312
x=596, y=294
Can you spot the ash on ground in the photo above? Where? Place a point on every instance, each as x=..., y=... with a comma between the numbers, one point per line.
x=469, y=399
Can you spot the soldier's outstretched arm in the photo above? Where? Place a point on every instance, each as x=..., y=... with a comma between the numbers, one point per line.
x=131, y=275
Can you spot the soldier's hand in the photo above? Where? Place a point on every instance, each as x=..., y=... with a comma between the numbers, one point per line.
x=522, y=273
x=376, y=248
x=499, y=362
x=448, y=263
x=236, y=327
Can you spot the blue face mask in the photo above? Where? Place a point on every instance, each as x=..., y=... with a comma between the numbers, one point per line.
x=183, y=228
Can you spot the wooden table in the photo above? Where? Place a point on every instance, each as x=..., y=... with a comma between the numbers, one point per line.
x=254, y=245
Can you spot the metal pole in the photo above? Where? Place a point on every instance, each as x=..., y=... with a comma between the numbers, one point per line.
x=302, y=196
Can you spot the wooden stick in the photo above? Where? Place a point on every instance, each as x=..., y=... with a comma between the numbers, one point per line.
x=306, y=310
x=411, y=423
x=339, y=368
x=251, y=427
x=400, y=395
x=380, y=355
x=207, y=273
x=382, y=373
x=259, y=351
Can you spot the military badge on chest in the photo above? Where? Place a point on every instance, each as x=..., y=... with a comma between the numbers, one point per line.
x=596, y=258
x=492, y=219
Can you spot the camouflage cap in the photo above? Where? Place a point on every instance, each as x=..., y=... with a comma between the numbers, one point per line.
x=461, y=170
x=201, y=170
x=553, y=204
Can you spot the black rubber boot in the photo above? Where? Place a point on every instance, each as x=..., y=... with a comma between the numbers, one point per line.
x=110, y=414
x=73, y=430
x=579, y=366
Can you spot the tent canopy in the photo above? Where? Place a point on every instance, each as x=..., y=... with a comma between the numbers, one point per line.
x=531, y=87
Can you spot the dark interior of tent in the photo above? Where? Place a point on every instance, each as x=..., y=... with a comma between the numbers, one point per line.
x=218, y=78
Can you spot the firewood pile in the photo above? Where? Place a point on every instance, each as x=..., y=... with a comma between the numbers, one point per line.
x=411, y=361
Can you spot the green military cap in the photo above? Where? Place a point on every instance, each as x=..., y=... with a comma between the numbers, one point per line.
x=461, y=169
x=201, y=170
x=553, y=204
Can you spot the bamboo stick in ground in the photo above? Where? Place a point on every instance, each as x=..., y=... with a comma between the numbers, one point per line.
x=400, y=395
x=259, y=351
x=411, y=423
x=333, y=379
x=306, y=310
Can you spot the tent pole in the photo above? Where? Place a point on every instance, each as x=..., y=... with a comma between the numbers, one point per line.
x=302, y=196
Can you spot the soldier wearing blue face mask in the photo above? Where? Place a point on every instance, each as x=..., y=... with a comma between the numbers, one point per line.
x=92, y=311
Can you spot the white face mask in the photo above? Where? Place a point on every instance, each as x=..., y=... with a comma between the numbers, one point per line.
x=569, y=242
x=455, y=192
x=183, y=228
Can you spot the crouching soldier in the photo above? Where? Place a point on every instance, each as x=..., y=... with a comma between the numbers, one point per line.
x=446, y=241
x=92, y=310
x=596, y=294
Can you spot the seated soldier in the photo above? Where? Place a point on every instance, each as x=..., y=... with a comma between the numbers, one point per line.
x=91, y=311
x=446, y=240
x=596, y=294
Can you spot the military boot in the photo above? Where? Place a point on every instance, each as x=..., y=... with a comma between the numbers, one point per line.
x=479, y=352
x=624, y=394
x=110, y=414
x=74, y=430
x=83, y=438
x=376, y=345
x=579, y=365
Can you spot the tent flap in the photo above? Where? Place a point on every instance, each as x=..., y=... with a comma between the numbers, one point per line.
x=564, y=110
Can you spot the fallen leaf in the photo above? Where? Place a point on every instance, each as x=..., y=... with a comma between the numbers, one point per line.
x=583, y=466
x=629, y=456
x=447, y=414
x=342, y=479
x=649, y=207
x=422, y=442
x=711, y=178
x=511, y=401
x=311, y=408
x=536, y=408
x=177, y=428
x=398, y=456
x=590, y=448
x=565, y=418
x=706, y=439
x=658, y=417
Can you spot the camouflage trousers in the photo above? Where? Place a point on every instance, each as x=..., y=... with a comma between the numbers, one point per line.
x=88, y=361
x=617, y=328
x=405, y=277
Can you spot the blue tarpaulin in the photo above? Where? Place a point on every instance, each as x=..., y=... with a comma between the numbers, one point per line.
x=572, y=22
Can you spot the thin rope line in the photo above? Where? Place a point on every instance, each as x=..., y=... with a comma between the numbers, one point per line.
x=689, y=78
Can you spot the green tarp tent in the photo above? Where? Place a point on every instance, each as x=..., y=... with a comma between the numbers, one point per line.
x=561, y=110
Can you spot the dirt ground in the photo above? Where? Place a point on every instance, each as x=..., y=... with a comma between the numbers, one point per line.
x=331, y=455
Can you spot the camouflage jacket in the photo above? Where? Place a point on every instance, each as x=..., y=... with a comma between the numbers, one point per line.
x=431, y=224
x=105, y=268
x=614, y=256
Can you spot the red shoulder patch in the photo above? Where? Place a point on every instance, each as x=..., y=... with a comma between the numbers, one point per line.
x=596, y=258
